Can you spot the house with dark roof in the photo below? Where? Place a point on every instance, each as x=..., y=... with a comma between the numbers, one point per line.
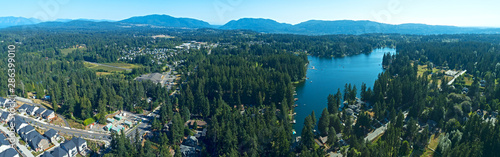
x=51, y=134
x=25, y=130
x=4, y=144
x=187, y=151
x=4, y=116
x=46, y=154
x=18, y=123
x=3, y=101
x=48, y=114
x=9, y=153
x=31, y=110
x=191, y=141
x=80, y=144
x=29, y=136
x=23, y=108
x=39, y=142
x=70, y=147
x=59, y=152
x=39, y=112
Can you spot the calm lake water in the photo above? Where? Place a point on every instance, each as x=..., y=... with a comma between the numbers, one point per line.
x=329, y=74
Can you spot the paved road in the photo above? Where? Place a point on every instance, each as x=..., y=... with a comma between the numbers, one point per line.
x=456, y=76
x=39, y=105
x=22, y=148
x=110, y=66
x=68, y=130
x=371, y=136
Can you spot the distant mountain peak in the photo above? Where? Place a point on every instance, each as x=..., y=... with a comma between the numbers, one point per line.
x=258, y=24
x=16, y=21
x=311, y=27
x=167, y=21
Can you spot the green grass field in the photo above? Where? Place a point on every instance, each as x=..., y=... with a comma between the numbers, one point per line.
x=434, y=141
x=69, y=50
x=104, y=68
x=124, y=65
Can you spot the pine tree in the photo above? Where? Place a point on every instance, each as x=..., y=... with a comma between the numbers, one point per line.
x=332, y=104
x=324, y=122
x=332, y=137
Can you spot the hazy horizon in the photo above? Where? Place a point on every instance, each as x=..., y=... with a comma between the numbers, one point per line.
x=218, y=12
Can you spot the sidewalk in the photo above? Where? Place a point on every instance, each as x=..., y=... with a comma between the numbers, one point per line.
x=23, y=148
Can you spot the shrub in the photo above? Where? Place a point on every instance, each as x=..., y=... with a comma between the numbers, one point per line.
x=88, y=121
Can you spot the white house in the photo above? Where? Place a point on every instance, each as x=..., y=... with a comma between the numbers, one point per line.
x=80, y=144
x=48, y=114
x=70, y=147
x=51, y=134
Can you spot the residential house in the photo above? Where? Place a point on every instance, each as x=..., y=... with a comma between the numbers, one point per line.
x=39, y=112
x=4, y=117
x=23, y=108
x=465, y=90
x=323, y=139
x=70, y=147
x=450, y=73
x=31, y=110
x=39, y=142
x=349, y=111
x=201, y=134
x=81, y=145
x=11, y=152
x=25, y=130
x=3, y=101
x=4, y=144
x=29, y=136
x=18, y=123
x=51, y=134
x=188, y=151
x=48, y=114
x=59, y=152
x=483, y=83
x=191, y=141
x=46, y=154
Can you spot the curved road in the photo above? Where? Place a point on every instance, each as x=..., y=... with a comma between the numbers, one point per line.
x=68, y=130
x=39, y=105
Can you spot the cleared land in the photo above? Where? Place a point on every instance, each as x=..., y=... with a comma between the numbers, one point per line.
x=433, y=143
x=69, y=50
x=108, y=68
x=123, y=65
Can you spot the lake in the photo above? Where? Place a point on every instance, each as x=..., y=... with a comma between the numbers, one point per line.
x=329, y=74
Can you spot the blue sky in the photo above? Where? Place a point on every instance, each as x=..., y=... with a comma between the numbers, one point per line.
x=436, y=12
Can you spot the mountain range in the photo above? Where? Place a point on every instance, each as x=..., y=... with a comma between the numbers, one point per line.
x=311, y=27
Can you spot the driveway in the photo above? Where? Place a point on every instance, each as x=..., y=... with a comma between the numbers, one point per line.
x=22, y=148
x=68, y=130
x=39, y=105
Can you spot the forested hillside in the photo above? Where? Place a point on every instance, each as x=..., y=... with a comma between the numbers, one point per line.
x=242, y=86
